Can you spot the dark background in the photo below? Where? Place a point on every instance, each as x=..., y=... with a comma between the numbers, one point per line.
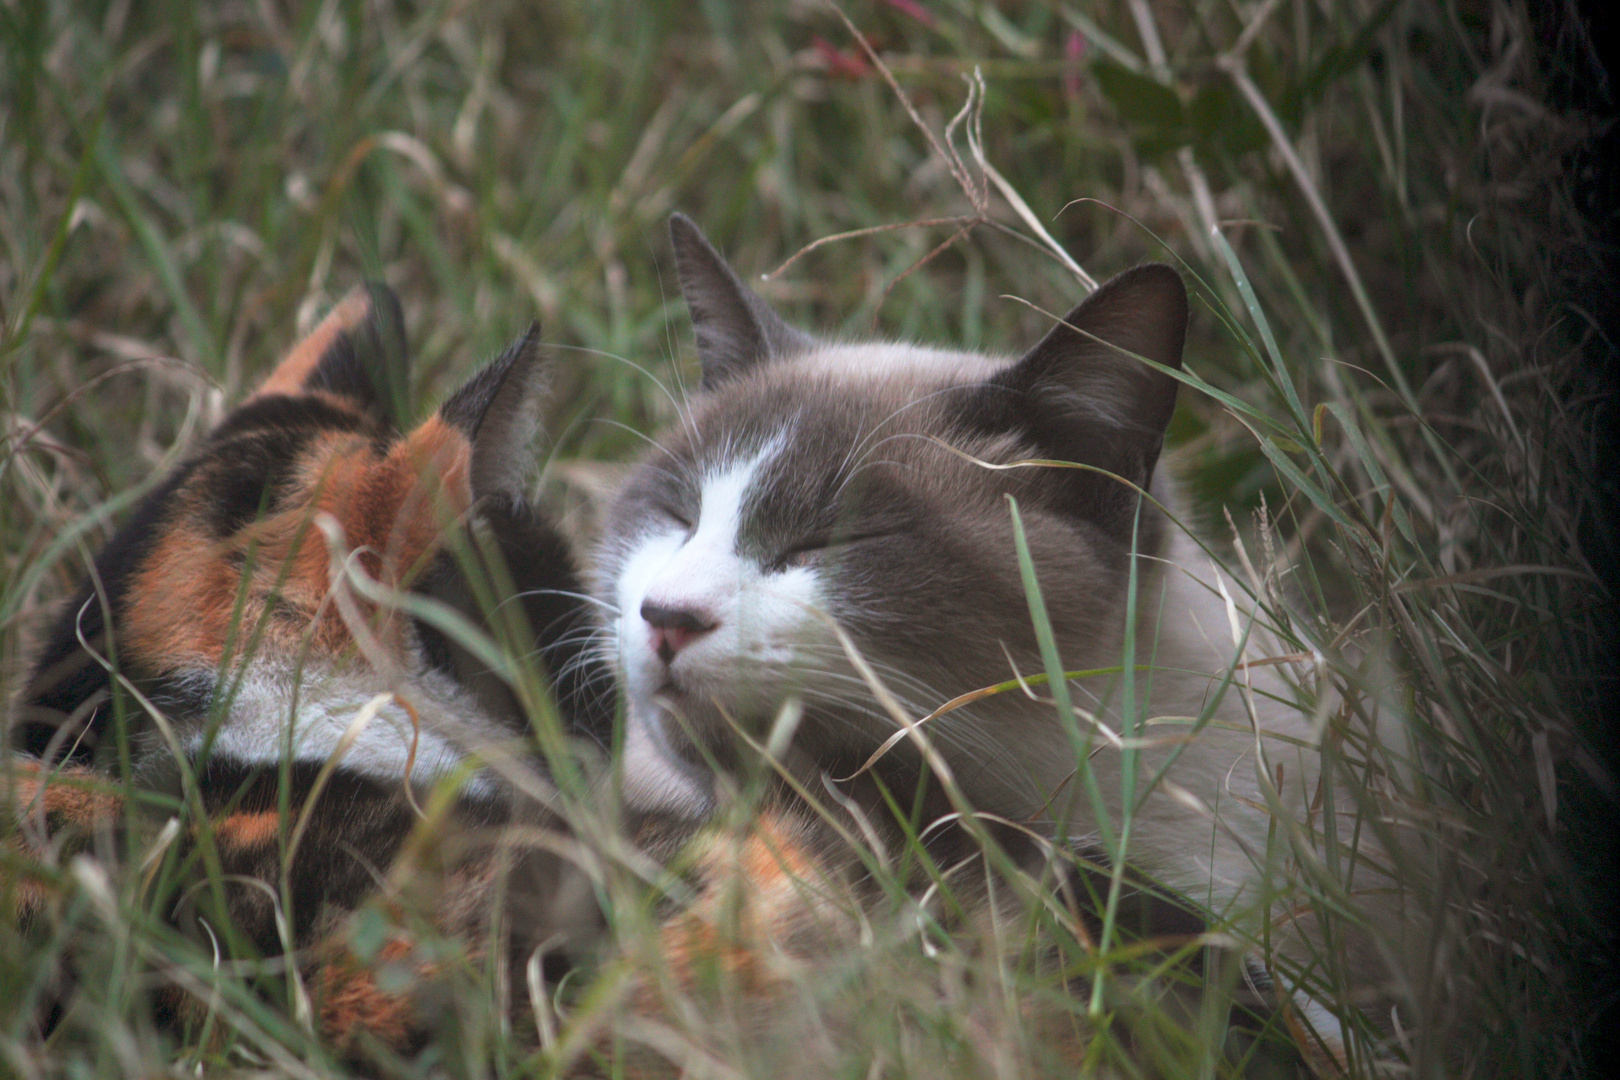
x=1582, y=58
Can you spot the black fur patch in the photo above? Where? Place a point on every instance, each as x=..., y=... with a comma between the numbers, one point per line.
x=467, y=406
x=547, y=588
x=437, y=651
x=67, y=679
x=367, y=363
x=244, y=477
x=357, y=829
x=282, y=412
x=251, y=457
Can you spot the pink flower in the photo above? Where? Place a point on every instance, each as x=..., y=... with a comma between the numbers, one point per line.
x=1074, y=51
x=849, y=65
x=914, y=9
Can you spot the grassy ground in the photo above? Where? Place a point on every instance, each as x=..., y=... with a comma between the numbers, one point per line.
x=1383, y=315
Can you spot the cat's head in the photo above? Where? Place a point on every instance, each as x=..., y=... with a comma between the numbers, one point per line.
x=813, y=484
x=231, y=557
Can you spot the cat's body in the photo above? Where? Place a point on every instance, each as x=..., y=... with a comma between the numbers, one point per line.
x=819, y=502
x=246, y=643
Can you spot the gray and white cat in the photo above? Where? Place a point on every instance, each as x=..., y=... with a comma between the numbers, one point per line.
x=811, y=484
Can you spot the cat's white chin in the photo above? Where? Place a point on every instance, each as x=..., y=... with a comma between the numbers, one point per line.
x=656, y=777
x=705, y=714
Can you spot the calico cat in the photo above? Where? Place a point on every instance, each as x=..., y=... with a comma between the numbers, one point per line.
x=824, y=550
x=259, y=640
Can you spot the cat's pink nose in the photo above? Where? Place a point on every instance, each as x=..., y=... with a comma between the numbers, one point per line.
x=674, y=628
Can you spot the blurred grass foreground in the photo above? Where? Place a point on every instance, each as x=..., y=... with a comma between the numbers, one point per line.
x=1370, y=200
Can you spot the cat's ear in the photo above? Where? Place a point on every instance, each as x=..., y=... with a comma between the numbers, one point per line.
x=735, y=328
x=497, y=410
x=1083, y=395
x=356, y=353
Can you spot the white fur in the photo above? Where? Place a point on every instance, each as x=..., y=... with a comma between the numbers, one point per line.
x=1205, y=833
x=760, y=618
x=306, y=714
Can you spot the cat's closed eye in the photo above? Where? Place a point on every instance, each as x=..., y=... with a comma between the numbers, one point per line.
x=811, y=551
x=807, y=553
x=676, y=516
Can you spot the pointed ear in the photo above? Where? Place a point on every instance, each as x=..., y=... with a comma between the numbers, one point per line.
x=498, y=412
x=357, y=352
x=1082, y=395
x=735, y=329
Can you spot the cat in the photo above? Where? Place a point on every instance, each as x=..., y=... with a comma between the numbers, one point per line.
x=227, y=649
x=813, y=535
x=831, y=522
x=220, y=656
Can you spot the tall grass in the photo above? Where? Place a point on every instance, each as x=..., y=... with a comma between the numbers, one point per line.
x=1366, y=193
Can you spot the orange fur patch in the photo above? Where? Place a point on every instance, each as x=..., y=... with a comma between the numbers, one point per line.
x=351, y=1002
x=73, y=795
x=47, y=803
x=421, y=489
x=181, y=602
x=247, y=829
x=393, y=509
x=764, y=896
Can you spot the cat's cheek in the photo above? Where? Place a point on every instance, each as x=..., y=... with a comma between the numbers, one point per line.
x=787, y=612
